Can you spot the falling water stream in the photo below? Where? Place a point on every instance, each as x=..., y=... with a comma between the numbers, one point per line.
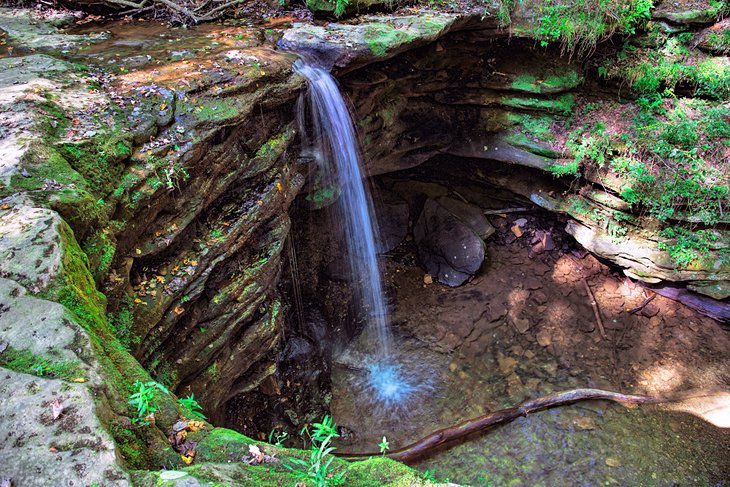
x=334, y=147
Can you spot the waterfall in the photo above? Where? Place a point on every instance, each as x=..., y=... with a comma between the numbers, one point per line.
x=333, y=145
x=336, y=150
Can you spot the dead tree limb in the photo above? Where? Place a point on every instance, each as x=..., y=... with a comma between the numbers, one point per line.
x=427, y=444
x=184, y=11
x=596, y=311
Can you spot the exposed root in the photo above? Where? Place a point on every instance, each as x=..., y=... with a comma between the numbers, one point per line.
x=427, y=444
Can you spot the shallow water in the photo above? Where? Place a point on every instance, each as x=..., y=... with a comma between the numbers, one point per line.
x=475, y=361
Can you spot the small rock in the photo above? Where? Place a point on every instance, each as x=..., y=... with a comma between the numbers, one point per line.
x=544, y=338
x=496, y=312
x=650, y=310
x=522, y=325
x=179, y=426
x=547, y=242
x=531, y=283
x=539, y=297
x=551, y=368
x=584, y=423
x=506, y=365
x=427, y=279
x=521, y=222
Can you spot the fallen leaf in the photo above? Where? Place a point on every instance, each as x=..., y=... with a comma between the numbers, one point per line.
x=187, y=459
x=160, y=279
x=428, y=279
x=193, y=263
x=79, y=380
x=612, y=462
x=137, y=300
x=178, y=310
x=56, y=409
x=195, y=425
x=517, y=231
x=256, y=453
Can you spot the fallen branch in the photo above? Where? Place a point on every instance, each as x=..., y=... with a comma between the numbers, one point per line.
x=427, y=444
x=596, y=311
x=506, y=210
x=648, y=300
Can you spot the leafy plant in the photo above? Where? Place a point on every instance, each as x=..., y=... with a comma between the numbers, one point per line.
x=340, y=7
x=318, y=467
x=384, y=445
x=144, y=400
x=196, y=410
x=277, y=438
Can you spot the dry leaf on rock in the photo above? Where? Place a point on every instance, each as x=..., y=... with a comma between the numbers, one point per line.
x=56, y=409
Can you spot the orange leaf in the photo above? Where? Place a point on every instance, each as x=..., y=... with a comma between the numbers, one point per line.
x=178, y=310
x=188, y=460
x=79, y=380
x=160, y=279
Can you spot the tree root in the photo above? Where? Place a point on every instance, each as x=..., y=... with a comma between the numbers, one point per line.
x=427, y=444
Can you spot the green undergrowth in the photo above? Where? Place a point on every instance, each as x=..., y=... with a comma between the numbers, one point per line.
x=222, y=446
x=27, y=362
x=669, y=62
x=578, y=25
x=667, y=162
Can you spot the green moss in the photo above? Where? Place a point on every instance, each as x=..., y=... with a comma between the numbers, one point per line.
x=26, y=362
x=131, y=446
x=567, y=169
x=562, y=105
x=562, y=79
x=100, y=250
x=382, y=37
x=216, y=111
x=123, y=322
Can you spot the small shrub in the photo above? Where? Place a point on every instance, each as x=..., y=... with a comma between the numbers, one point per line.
x=318, y=468
x=196, y=410
x=144, y=401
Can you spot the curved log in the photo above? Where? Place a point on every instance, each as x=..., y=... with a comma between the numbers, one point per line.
x=428, y=443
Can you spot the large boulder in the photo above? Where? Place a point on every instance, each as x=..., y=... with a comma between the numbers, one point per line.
x=448, y=246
